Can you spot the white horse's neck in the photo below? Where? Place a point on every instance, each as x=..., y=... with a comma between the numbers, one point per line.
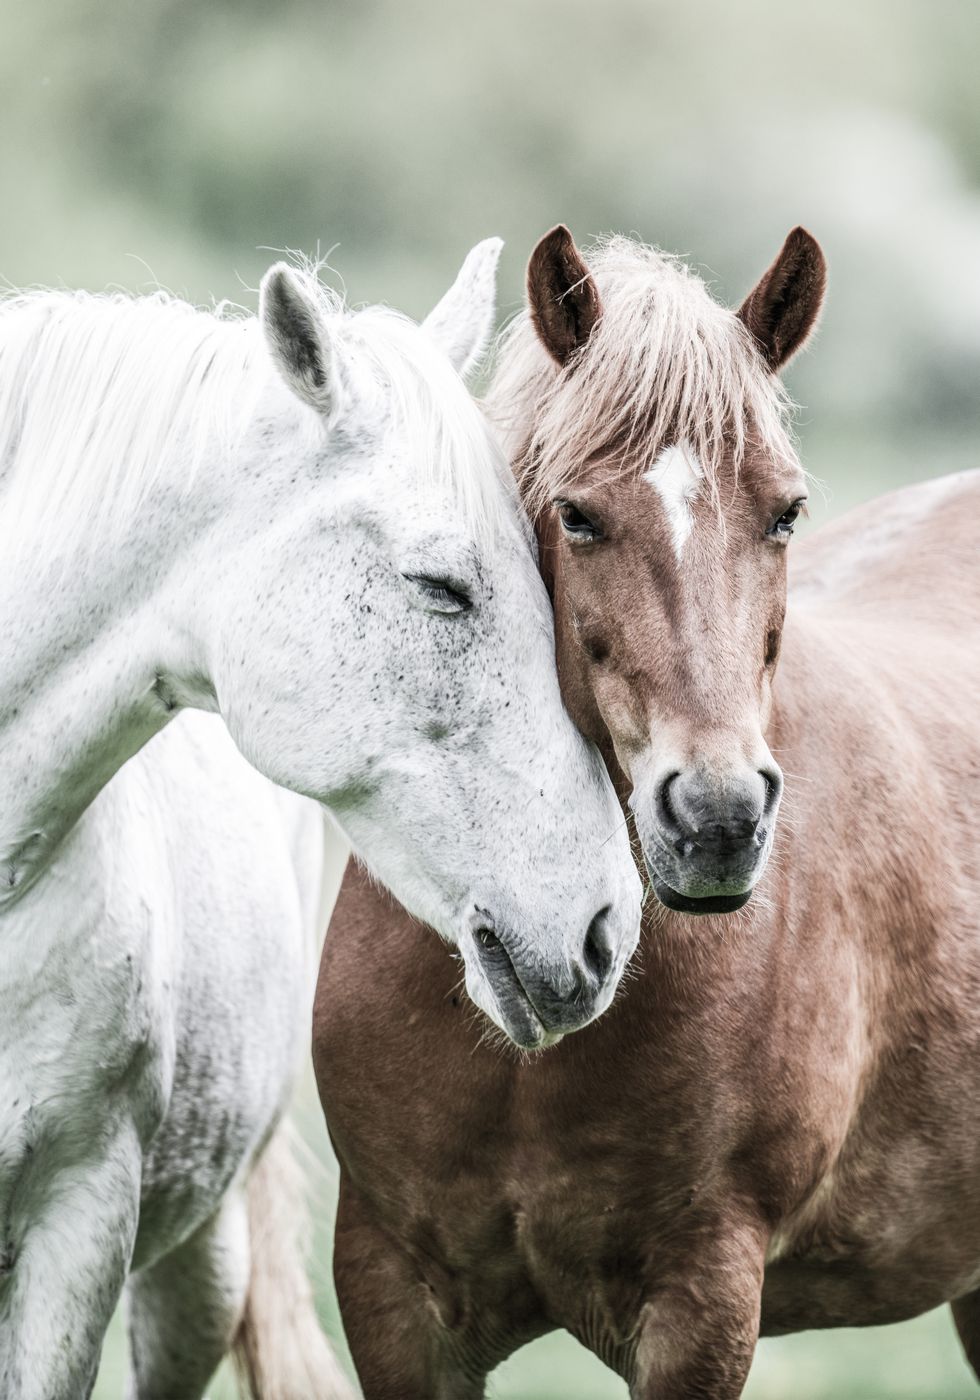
x=128, y=417
x=91, y=667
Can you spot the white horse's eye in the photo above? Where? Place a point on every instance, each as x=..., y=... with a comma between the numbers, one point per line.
x=439, y=595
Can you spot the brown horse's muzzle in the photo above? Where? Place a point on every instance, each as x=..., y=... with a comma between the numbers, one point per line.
x=706, y=835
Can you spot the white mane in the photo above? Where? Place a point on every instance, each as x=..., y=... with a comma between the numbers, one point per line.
x=102, y=397
x=665, y=363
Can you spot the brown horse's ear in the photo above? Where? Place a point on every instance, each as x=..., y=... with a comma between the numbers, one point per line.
x=561, y=294
x=783, y=309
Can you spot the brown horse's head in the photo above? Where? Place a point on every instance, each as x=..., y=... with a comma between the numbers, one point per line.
x=648, y=426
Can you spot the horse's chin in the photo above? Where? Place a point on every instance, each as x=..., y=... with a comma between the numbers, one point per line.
x=522, y=1026
x=688, y=904
x=503, y=1000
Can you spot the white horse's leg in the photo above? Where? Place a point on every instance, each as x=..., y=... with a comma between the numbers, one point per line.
x=184, y=1310
x=65, y=1271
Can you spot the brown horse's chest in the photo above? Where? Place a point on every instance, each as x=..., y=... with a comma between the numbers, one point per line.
x=570, y=1211
x=565, y=1190
x=526, y=1230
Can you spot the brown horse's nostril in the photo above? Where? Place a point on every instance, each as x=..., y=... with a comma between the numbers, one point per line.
x=667, y=817
x=773, y=780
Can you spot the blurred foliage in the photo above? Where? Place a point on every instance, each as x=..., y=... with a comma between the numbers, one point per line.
x=176, y=141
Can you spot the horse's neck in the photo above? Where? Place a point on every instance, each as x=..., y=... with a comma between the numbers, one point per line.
x=84, y=661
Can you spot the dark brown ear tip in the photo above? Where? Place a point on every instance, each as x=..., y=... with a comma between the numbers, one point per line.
x=801, y=241
x=554, y=241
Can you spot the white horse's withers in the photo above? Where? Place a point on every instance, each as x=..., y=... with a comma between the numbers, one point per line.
x=310, y=533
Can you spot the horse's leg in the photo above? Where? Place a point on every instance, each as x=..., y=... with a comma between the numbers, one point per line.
x=184, y=1310
x=698, y=1335
x=66, y=1254
x=400, y=1347
x=966, y=1315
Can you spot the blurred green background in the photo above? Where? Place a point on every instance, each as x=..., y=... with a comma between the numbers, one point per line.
x=175, y=141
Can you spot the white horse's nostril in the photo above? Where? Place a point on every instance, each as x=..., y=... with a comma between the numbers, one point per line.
x=597, y=951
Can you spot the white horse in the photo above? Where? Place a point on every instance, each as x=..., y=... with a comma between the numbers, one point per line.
x=310, y=532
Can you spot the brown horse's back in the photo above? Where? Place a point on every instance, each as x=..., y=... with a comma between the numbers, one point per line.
x=803, y=1079
x=911, y=554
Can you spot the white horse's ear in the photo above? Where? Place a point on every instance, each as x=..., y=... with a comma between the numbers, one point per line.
x=461, y=324
x=297, y=338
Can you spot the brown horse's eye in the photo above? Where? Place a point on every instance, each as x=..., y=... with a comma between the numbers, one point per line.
x=782, y=527
x=575, y=523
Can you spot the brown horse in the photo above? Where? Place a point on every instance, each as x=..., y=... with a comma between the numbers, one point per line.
x=777, y=1125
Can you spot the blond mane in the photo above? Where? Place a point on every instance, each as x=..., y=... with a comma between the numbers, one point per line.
x=665, y=363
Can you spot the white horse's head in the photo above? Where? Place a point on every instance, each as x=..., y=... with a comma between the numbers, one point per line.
x=386, y=646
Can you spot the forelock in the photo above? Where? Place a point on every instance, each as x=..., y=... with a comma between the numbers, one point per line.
x=666, y=363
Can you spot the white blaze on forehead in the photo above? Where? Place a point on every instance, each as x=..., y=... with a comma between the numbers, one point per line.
x=676, y=476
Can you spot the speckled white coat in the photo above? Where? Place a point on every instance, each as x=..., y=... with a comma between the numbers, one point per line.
x=154, y=989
